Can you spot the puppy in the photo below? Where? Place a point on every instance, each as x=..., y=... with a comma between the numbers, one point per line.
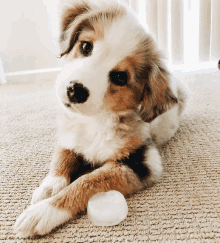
x=119, y=103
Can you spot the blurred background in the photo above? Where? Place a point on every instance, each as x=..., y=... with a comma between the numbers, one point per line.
x=186, y=30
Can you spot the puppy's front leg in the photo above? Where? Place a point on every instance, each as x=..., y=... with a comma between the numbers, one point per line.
x=44, y=216
x=111, y=176
x=63, y=164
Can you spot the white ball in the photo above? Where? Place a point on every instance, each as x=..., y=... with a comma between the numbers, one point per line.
x=107, y=208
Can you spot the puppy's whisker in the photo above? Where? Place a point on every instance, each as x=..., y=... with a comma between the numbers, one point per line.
x=76, y=109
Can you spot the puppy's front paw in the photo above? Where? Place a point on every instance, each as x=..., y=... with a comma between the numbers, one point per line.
x=51, y=186
x=40, y=219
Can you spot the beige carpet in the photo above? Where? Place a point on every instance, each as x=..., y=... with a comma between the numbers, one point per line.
x=183, y=207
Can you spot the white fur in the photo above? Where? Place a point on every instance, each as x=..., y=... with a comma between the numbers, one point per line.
x=94, y=137
x=118, y=38
x=50, y=186
x=40, y=218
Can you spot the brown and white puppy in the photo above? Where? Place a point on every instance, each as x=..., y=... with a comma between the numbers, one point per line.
x=119, y=102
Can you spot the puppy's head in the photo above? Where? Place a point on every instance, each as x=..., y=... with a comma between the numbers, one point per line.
x=111, y=62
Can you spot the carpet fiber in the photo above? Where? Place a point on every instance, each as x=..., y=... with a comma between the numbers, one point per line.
x=183, y=207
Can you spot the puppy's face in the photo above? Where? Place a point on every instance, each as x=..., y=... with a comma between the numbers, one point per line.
x=111, y=62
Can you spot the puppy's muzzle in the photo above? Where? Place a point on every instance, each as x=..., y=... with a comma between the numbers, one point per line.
x=77, y=93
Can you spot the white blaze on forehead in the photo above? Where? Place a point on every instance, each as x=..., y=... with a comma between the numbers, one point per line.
x=123, y=37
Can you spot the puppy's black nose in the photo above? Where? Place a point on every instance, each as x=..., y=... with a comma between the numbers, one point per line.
x=77, y=93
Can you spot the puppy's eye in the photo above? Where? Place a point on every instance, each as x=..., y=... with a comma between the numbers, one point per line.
x=86, y=48
x=119, y=78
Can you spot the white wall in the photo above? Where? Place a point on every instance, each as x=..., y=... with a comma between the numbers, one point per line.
x=26, y=39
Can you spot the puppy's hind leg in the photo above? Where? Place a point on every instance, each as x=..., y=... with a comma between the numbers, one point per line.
x=165, y=126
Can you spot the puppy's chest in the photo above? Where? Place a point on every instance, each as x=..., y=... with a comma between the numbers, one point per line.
x=95, y=142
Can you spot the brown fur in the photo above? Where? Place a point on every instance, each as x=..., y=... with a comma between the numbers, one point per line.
x=127, y=124
x=130, y=64
x=63, y=163
x=67, y=45
x=127, y=97
x=157, y=97
x=120, y=98
x=160, y=98
x=70, y=15
x=131, y=144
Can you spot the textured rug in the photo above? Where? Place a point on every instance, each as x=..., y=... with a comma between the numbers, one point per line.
x=183, y=207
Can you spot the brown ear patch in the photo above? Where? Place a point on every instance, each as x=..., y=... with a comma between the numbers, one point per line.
x=157, y=97
x=70, y=15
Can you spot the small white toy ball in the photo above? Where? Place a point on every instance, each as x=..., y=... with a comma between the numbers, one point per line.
x=107, y=208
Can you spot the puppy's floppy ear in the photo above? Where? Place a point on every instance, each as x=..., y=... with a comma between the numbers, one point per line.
x=73, y=19
x=157, y=96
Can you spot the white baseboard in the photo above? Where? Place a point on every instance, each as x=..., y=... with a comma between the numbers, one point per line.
x=50, y=74
x=2, y=74
x=33, y=76
x=47, y=70
x=199, y=68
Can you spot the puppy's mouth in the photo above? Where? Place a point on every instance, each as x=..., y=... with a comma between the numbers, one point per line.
x=67, y=105
x=71, y=108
